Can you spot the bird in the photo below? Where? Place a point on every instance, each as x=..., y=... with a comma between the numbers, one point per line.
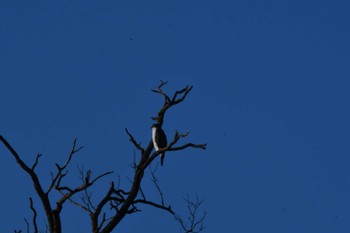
x=159, y=140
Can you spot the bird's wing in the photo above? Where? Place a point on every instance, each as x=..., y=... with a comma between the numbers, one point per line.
x=162, y=140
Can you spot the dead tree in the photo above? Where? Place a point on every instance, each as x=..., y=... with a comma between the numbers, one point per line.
x=121, y=201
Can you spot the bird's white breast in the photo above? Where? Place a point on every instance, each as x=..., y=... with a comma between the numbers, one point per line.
x=154, y=139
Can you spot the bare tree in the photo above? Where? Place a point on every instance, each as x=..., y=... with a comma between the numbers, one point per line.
x=122, y=201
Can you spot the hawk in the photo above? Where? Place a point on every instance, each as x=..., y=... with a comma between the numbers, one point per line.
x=159, y=140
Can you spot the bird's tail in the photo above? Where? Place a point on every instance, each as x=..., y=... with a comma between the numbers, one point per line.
x=162, y=159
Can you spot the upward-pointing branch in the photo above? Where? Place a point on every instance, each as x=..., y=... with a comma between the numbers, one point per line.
x=34, y=215
x=132, y=139
x=169, y=102
x=38, y=188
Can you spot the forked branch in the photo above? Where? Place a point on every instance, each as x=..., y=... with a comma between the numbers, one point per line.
x=60, y=169
x=67, y=192
x=37, y=185
x=53, y=215
x=194, y=223
x=132, y=139
x=169, y=102
x=36, y=161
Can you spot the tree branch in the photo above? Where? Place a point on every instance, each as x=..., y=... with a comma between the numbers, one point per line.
x=155, y=182
x=170, y=147
x=169, y=102
x=59, y=175
x=18, y=159
x=194, y=223
x=160, y=91
x=86, y=196
x=137, y=145
x=27, y=225
x=34, y=215
x=36, y=161
x=200, y=146
x=154, y=205
x=38, y=188
x=115, y=197
x=186, y=90
x=71, y=192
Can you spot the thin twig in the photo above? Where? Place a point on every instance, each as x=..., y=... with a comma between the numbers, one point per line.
x=194, y=224
x=59, y=175
x=155, y=182
x=71, y=192
x=200, y=146
x=160, y=91
x=154, y=205
x=34, y=215
x=27, y=224
x=132, y=139
x=86, y=196
x=36, y=161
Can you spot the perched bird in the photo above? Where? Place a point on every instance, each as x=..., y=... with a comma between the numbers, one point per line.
x=159, y=140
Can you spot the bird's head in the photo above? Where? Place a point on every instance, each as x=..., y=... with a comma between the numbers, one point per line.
x=155, y=126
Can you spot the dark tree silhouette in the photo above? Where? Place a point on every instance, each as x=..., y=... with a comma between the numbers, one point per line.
x=122, y=202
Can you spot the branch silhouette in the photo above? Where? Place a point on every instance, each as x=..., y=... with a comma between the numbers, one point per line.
x=121, y=202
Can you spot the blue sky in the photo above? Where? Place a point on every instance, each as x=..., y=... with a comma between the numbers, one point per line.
x=270, y=97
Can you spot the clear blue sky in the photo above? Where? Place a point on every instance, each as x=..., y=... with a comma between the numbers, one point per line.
x=271, y=99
